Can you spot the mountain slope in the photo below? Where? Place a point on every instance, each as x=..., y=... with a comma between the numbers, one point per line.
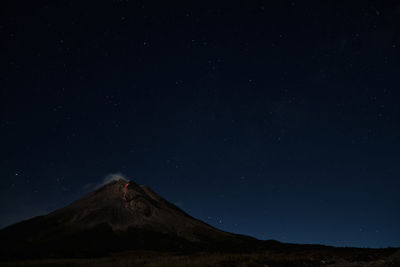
x=119, y=216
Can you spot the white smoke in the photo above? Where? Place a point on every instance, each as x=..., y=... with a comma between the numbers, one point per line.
x=107, y=179
x=114, y=177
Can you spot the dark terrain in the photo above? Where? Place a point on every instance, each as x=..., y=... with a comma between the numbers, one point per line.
x=125, y=224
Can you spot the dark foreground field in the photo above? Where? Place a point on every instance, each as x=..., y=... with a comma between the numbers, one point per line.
x=332, y=257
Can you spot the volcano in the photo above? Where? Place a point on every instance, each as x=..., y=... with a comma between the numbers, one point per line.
x=120, y=215
x=129, y=220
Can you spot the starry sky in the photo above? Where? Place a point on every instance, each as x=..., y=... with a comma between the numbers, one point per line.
x=278, y=120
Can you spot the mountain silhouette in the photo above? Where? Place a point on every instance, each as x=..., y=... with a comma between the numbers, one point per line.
x=120, y=215
x=130, y=220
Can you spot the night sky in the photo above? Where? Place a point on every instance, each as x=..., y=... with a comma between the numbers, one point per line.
x=280, y=120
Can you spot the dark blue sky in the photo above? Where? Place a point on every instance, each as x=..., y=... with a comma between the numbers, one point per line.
x=278, y=120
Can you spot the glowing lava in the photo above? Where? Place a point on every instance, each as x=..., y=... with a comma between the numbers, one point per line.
x=124, y=190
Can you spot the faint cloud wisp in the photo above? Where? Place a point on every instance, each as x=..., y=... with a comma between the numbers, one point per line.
x=107, y=179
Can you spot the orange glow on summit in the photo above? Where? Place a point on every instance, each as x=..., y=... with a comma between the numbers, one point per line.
x=125, y=189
